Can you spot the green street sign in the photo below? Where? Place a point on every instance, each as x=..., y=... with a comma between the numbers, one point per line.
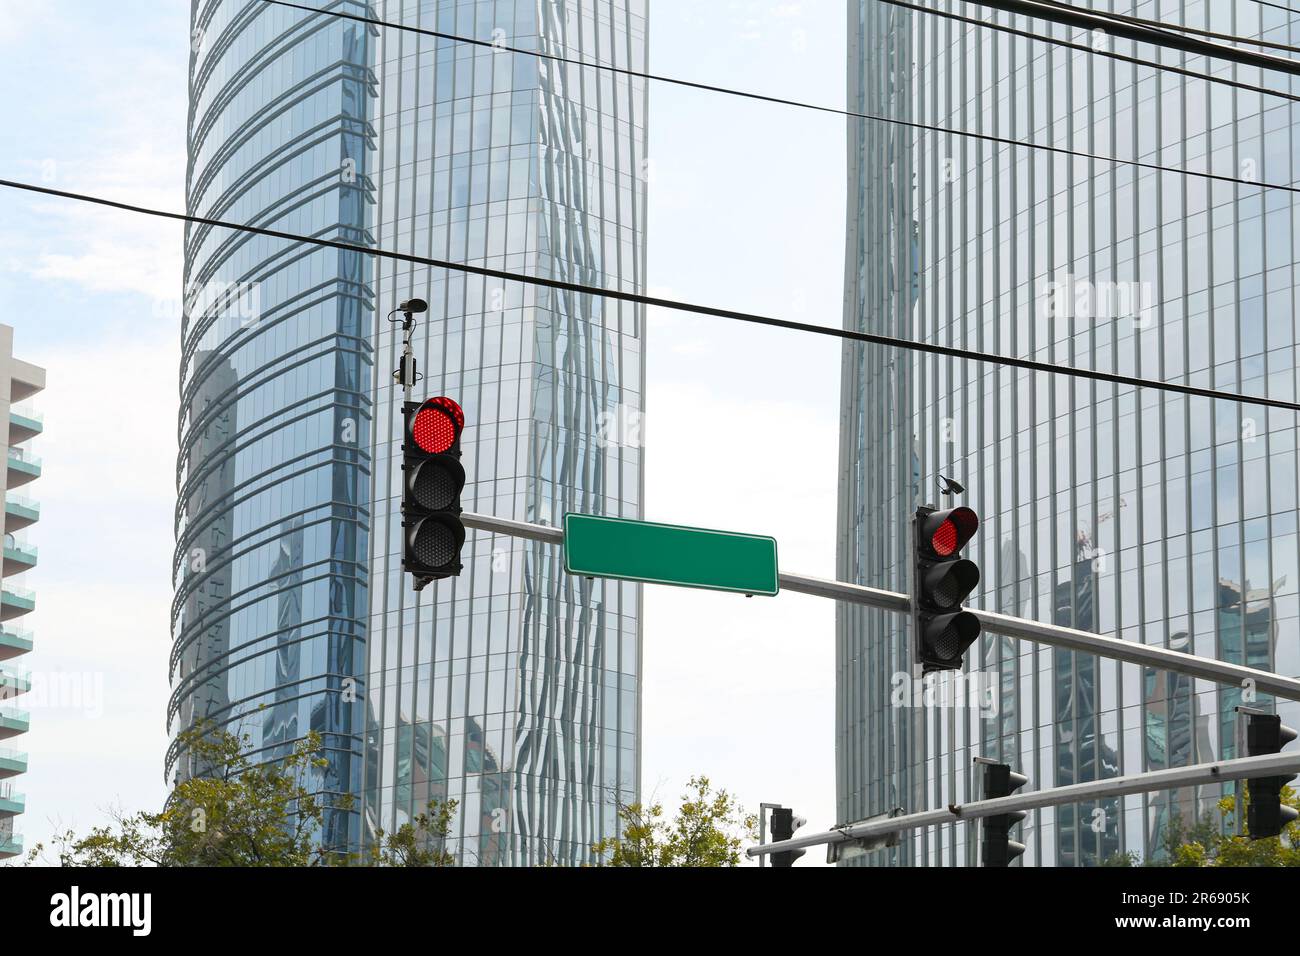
x=597, y=547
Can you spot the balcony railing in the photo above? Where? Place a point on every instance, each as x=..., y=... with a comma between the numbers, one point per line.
x=11, y=801
x=16, y=638
x=13, y=682
x=8, y=590
x=12, y=761
x=18, y=551
x=23, y=467
x=22, y=506
x=26, y=420
x=14, y=721
x=15, y=601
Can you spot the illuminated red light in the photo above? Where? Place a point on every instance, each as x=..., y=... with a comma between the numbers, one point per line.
x=944, y=541
x=957, y=528
x=451, y=408
x=435, y=427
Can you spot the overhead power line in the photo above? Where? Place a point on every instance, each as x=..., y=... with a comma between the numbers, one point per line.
x=911, y=124
x=1277, y=6
x=869, y=338
x=1086, y=48
x=1093, y=20
x=1184, y=28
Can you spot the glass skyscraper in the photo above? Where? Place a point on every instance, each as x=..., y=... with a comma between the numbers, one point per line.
x=1138, y=514
x=273, y=476
x=515, y=688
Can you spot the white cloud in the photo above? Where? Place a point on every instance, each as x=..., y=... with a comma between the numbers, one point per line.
x=110, y=436
x=102, y=249
x=113, y=133
x=693, y=347
x=19, y=19
x=117, y=260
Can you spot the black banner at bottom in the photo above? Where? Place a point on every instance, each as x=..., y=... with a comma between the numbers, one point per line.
x=138, y=906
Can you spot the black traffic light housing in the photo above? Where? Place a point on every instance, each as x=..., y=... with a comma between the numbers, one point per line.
x=432, y=480
x=996, y=846
x=941, y=580
x=784, y=823
x=1266, y=814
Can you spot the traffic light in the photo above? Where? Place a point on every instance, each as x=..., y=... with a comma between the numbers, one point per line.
x=432, y=480
x=1266, y=814
x=996, y=846
x=941, y=580
x=784, y=823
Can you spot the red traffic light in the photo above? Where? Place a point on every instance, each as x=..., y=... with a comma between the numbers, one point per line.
x=941, y=581
x=437, y=425
x=949, y=530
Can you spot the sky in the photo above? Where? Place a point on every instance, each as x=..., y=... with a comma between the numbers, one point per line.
x=746, y=212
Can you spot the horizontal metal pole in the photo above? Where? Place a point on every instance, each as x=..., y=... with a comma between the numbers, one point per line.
x=852, y=593
x=1132, y=652
x=1148, y=655
x=1265, y=765
x=515, y=529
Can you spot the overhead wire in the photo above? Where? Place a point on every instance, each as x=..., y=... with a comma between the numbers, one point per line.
x=853, y=335
x=912, y=124
x=1184, y=28
x=1090, y=49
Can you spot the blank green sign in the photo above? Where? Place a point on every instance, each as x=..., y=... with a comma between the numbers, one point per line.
x=669, y=554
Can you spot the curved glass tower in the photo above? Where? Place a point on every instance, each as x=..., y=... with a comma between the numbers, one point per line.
x=515, y=688
x=1137, y=514
x=273, y=475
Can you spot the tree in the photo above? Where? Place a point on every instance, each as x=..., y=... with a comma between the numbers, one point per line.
x=420, y=843
x=708, y=830
x=234, y=812
x=1205, y=843
x=1210, y=846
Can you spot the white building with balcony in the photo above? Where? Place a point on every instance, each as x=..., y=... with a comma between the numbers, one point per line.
x=19, y=381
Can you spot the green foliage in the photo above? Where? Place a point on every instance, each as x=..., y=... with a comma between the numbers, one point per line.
x=1205, y=843
x=235, y=813
x=419, y=843
x=709, y=830
x=240, y=813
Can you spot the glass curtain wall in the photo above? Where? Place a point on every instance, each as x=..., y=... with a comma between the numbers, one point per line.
x=1137, y=514
x=273, y=475
x=513, y=689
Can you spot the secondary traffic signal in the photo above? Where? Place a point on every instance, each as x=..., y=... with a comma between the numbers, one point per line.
x=941, y=580
x=996, y=846
x=784, y=823
x=432, y=480
x=1267, y=815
